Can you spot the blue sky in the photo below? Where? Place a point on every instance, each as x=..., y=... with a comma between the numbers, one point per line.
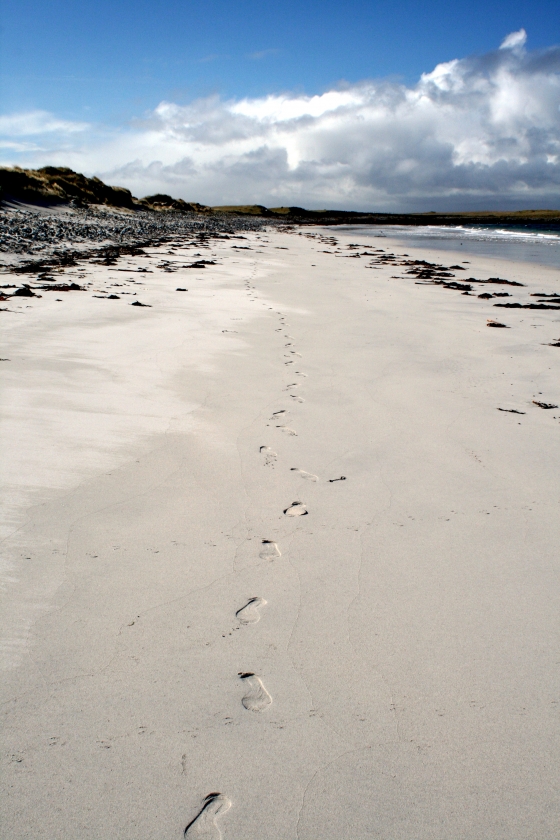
x=110, y=59
x=387, y=105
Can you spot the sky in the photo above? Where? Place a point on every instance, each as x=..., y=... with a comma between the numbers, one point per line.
x=355, y=105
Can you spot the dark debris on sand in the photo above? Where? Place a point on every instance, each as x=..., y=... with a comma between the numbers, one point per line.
x=34, y=239
x=544, y=405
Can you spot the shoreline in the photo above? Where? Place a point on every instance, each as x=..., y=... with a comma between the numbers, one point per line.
x=382, y=666
x=510, y=248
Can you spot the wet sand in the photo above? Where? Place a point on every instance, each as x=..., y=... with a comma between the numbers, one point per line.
x=281, y=549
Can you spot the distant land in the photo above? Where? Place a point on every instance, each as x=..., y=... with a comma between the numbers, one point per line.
x=59, y=185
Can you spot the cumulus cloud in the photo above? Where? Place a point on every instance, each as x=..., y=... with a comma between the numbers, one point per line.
x=482, y=131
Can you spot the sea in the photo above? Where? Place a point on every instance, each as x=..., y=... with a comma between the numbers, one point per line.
x=517, y=244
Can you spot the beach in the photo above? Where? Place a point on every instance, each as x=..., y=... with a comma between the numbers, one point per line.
x=281, y=544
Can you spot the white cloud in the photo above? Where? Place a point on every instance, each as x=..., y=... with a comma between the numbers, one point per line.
x=514, y=41
x=475, y=132
x=37, y=122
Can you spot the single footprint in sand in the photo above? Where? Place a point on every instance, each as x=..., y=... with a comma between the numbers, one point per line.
x=204, y=827
x=269, y=550
x=296, y=398
x=249, y=614
x=287, y=430
x=304, y=474
x=257, y=697
x=296, y=509
x=269, y=455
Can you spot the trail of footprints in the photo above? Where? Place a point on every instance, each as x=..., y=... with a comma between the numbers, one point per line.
x=255, y=696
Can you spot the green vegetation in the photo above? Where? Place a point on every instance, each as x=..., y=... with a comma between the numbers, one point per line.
x=54, y=185
x=59, y=185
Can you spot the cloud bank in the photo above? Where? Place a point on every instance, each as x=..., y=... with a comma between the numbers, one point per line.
x=482, y=131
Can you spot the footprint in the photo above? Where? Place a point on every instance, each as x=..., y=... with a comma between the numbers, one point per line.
x=249, y=614
x=269, y=550
x=304, y=474
x=296, y=509
x=281, y=411
x=204, y=825
x=296, y=398
x=257, y=697
x=269, y=455
x=287, y=430
x=299, y=373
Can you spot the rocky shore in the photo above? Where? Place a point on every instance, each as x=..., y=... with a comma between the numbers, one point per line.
x=36, y=238
x=53, y=217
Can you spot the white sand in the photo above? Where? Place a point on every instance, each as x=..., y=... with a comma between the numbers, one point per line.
x=396, y=676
